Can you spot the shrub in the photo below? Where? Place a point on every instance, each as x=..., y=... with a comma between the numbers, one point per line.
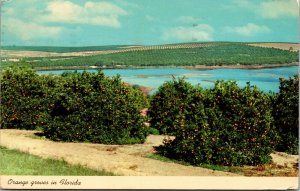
x=169, y=104
x=227, y=125
x=24, y=98
x=95, y=108
x=153, y=131
x=286, y=115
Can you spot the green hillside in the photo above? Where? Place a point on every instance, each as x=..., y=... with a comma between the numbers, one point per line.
x=209, y=54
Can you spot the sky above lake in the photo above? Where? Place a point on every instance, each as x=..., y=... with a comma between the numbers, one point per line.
x=146, y=22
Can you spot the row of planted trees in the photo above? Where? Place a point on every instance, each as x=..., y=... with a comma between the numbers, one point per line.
x=216, y=54
x=226, y=125
x=73, y=107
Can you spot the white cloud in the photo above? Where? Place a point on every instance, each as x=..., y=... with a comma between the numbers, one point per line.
x=201, y=32
x=93, y=13
x=62, y=11
x=249, y=29
x=188, y=19
x=104, y=8
x=279, y=8
x=27, y=31
x=270, y=9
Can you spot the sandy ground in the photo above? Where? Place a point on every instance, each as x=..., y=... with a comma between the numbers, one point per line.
x=284, y=159
x=129, y=160
x=24, y=54
x=283, y=46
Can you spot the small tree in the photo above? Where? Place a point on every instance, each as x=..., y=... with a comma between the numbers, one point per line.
x=286, y=114
x=24, y=98
x=95, y=108
x=168, y=106
x=226, y=125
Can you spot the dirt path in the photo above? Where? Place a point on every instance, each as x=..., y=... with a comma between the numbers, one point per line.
x=130, y=160
x=127, y=160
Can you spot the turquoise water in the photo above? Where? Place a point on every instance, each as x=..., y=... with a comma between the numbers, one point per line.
x=266, y=79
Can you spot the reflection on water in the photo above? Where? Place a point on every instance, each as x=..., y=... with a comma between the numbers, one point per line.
x=266, y=79
x=171, y=75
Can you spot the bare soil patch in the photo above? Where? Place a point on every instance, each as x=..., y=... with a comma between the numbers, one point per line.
x=282, y=165
x=283, y=46
x=131, y=160
x=23, y=54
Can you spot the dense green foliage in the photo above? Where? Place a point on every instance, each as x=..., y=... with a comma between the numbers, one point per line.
x=286, y=114
x=73, y=107
x=92, y=107
x=168, y=110
x=25, y=98
x=14, y=162
x=215, y=54
x=226, y=125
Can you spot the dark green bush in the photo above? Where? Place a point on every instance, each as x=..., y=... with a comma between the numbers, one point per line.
x=286, y=115
x=95, y=108
x=24, y=98
x=167, y=107
x=73, y=107
x=226, y=125
x=153, y=131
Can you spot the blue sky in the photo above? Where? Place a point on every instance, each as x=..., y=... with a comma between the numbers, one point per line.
x=147, y=22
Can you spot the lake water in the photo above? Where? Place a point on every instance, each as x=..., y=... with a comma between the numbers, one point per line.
x=266, y=79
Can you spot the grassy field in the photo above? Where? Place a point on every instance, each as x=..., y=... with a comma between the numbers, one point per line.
x=14, y=162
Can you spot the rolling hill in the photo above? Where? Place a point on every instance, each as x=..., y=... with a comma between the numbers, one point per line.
x=185, y=54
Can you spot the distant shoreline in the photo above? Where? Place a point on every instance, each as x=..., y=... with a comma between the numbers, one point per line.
x=197, y=67
x=248, y=67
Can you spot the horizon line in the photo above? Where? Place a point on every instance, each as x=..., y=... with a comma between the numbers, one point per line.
x=149, y=44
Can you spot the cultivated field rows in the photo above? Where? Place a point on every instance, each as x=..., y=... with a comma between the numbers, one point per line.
x=22, y=54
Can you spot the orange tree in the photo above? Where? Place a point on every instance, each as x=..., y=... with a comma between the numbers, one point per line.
x=95, y=108
x=226, y=125
x=169, y=105
x=25, y=98
x=73, y=107
x=286, y=114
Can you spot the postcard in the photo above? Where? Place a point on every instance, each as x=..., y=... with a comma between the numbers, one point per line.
x=149, y=94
